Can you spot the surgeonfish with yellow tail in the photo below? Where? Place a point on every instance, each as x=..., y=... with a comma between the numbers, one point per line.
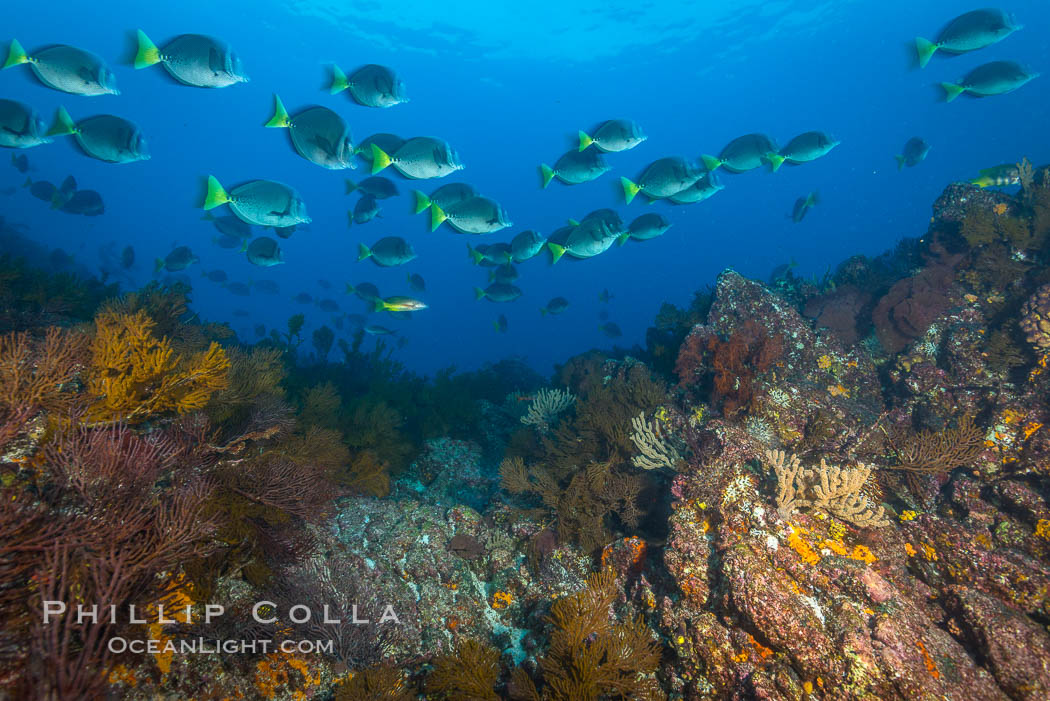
x=193, y=59
x=104, y=137
x=318, y=134
x=66, y=68
x=260, y=202
x=421, y=157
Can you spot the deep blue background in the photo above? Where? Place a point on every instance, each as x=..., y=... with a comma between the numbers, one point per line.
x=508, y=90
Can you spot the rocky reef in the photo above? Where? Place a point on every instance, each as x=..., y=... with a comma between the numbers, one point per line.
x=800, y=488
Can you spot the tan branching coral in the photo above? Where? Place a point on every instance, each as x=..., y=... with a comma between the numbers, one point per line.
x=471, y=673
x=35, y=375
x=135, y=375
x=591, y=654
x=836, y=490
x=942, y=451
x=655, y=451
x=545, y=408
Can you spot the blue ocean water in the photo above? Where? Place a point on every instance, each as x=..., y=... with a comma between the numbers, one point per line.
x=508, y=85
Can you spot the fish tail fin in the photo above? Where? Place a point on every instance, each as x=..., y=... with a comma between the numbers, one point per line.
x=495, y=324
x=158, y=265
x=474, y=255
x=28, y=182
x=339, y=83
x=900, y=162
x=557, y=251
x=543, y=310
x=363, y=251
x=349, y=218
x=952, y=91
x=380, y=159
x=775, y=160
x=378, y=305
x=814, y=198
x=63, y=124
x=147, y=53
x=630, y=189
x=16, y=55
x=622, y=238
x=924, y=49
x=546, y=174
x=422, y=201
x=280, y=117
x=216, y=195
x=479, y=293
x=573, y=222
x=244, y=249
x=585, y=140
x=56, y=200
x=350, y=185
x=710, y=162
x=492, y=276
x=350, y=288
x=437, y=215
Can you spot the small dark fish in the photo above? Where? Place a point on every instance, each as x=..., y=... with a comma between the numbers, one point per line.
x=328, y=305
x=230, y=225
x=216, y=276
x=610, y=329
x=20, y=162
x=377, y=186
x=303, y=298
x=127, y=257
x=364, y=291
x=365, y=210
x=803, y=205
x=500, y=324
x=324, y=284
x=498, y=292
x=41, y=189
x=267, y=286
x=238, y=288
x=179, y=259
x=604, y=296
x=86, y=202
x=388, y=251
x=264, y=252
x=375, y=330
x=505, y=273
x=555, y=306
x=260, y=330
x=228, y=242
x=915, y=150
x=415, y=281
